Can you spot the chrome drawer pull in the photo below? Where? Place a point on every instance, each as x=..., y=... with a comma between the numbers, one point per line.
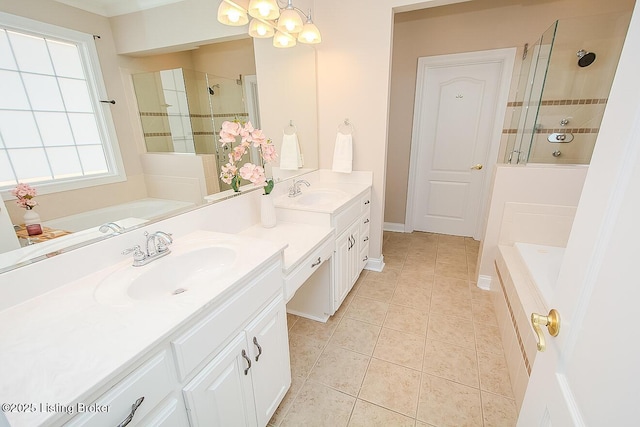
x=366, y=239
x=367, y=202
x=134, y=408
x=366, y=221
x=365, y=258
x=255, y=341
x=318, y=262
x=244, y=354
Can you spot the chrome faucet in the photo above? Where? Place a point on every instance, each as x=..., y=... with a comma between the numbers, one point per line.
x=156, y=247
x=104, y=228
x=294, y=190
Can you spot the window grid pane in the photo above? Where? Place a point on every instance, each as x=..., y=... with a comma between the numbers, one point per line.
x=49, y=104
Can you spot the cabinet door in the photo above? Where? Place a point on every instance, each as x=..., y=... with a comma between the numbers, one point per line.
x=222, y=394
x=269, y=343
x=354, y=255
x=342, y=276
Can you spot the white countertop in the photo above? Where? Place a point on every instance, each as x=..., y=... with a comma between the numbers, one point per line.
x=60, y=347
x=350, y=190
x=302, y=239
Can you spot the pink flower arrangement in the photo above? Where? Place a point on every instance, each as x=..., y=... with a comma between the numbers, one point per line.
x=231, y=173
x=25, y=194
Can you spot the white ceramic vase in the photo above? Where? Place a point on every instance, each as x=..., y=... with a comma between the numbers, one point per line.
x=32, y=222
x=267, y=211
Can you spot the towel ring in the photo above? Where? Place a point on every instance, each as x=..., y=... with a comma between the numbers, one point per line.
x=346, y=127
x=291, y=127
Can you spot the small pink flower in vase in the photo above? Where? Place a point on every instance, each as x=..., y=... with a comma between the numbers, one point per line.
x=248, y=136
x=25, y=194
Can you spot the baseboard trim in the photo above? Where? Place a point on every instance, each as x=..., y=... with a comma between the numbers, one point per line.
x=393, y=226
x=375, y=264
x=484, y=282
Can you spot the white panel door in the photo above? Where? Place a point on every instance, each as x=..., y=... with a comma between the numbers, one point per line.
x=589, y=374
x=454, y=120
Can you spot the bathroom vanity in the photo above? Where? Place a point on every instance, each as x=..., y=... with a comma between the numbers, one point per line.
x=195, y=338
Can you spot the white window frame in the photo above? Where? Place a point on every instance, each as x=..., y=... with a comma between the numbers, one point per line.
x=97, y=92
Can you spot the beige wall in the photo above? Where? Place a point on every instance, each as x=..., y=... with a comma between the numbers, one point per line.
x=465, y=27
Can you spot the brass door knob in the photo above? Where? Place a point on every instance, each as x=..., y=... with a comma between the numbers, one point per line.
x=552, y=322
x=477, y=167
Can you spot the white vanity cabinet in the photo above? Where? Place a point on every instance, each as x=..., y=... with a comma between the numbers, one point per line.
x=352, y=245
x=245, y=382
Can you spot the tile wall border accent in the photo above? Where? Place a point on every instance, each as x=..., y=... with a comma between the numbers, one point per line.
x=585, y=101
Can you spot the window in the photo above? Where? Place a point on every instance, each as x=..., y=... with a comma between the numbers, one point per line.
x=54, y=130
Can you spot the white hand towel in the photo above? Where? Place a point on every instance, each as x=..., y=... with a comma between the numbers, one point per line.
x=343, y=153
x=290, y=157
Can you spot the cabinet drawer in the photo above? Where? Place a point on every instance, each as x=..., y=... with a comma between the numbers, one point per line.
x=365, y=201
x=170, y=414
x=346, y=218
x=203, y=339
x=298, y=276
x=365, y=222
x=363, y=257
x=153, y=381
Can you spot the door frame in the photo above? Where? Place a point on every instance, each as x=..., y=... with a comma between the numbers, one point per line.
x=506, y=57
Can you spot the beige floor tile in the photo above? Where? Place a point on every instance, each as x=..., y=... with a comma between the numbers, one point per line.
x=340, y=369
x=425, y=255
x=379, y=291
x=411, y=296
x=452, y=306
x=345, y=304
x=319, y=405
x=446, y=403
x=451, y=329
x=303, y=352
x=296, y=384
x=314, y=329
x=367, y=310
x=405, y=319
x=452, y=257
x=390, y=276
x=478, y=294
x=400, y=348
x=291, y=320
x=450, y=240
x=366, y=414
x=355, y=335
x=394, y=262
x=488, y=338
x=483, y=312
x=451, y=286
x=494, y=374
x=452, y=362
x=419, y=278
x=498, y=411
x=391, y=386
x=457, y=271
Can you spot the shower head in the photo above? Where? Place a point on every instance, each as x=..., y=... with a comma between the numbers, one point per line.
x=585, y=58
x=211, y=91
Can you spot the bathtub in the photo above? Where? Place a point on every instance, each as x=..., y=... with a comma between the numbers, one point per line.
x=543, y=266
x=85, y=227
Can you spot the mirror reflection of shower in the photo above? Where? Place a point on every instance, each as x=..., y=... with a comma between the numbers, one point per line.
x=563, y=90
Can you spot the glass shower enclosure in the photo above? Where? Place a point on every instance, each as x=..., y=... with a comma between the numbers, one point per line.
x=563, y=87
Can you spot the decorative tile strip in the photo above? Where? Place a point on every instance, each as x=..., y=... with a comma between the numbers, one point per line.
x=557, y=130
x=231, y=115
x=151, y=114
x=152, y=134
x=204, y=133
x=586, y=101
x=513, y=321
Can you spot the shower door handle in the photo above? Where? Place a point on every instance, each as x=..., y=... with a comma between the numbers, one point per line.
x=477, y=167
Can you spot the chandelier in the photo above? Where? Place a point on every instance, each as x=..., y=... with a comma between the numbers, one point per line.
x=268, y=19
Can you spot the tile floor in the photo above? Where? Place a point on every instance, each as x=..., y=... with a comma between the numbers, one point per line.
x=415, y=345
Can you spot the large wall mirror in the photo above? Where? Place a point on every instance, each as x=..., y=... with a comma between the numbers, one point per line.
x=168, y=140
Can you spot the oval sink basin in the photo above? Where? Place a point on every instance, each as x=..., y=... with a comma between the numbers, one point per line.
x=178, y=273
x=175, y=274
x=321, y=197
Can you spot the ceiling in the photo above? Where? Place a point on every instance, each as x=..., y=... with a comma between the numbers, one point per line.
x=110, y=8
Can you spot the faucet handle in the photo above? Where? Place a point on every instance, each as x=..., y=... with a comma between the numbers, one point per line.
x=138, y=255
